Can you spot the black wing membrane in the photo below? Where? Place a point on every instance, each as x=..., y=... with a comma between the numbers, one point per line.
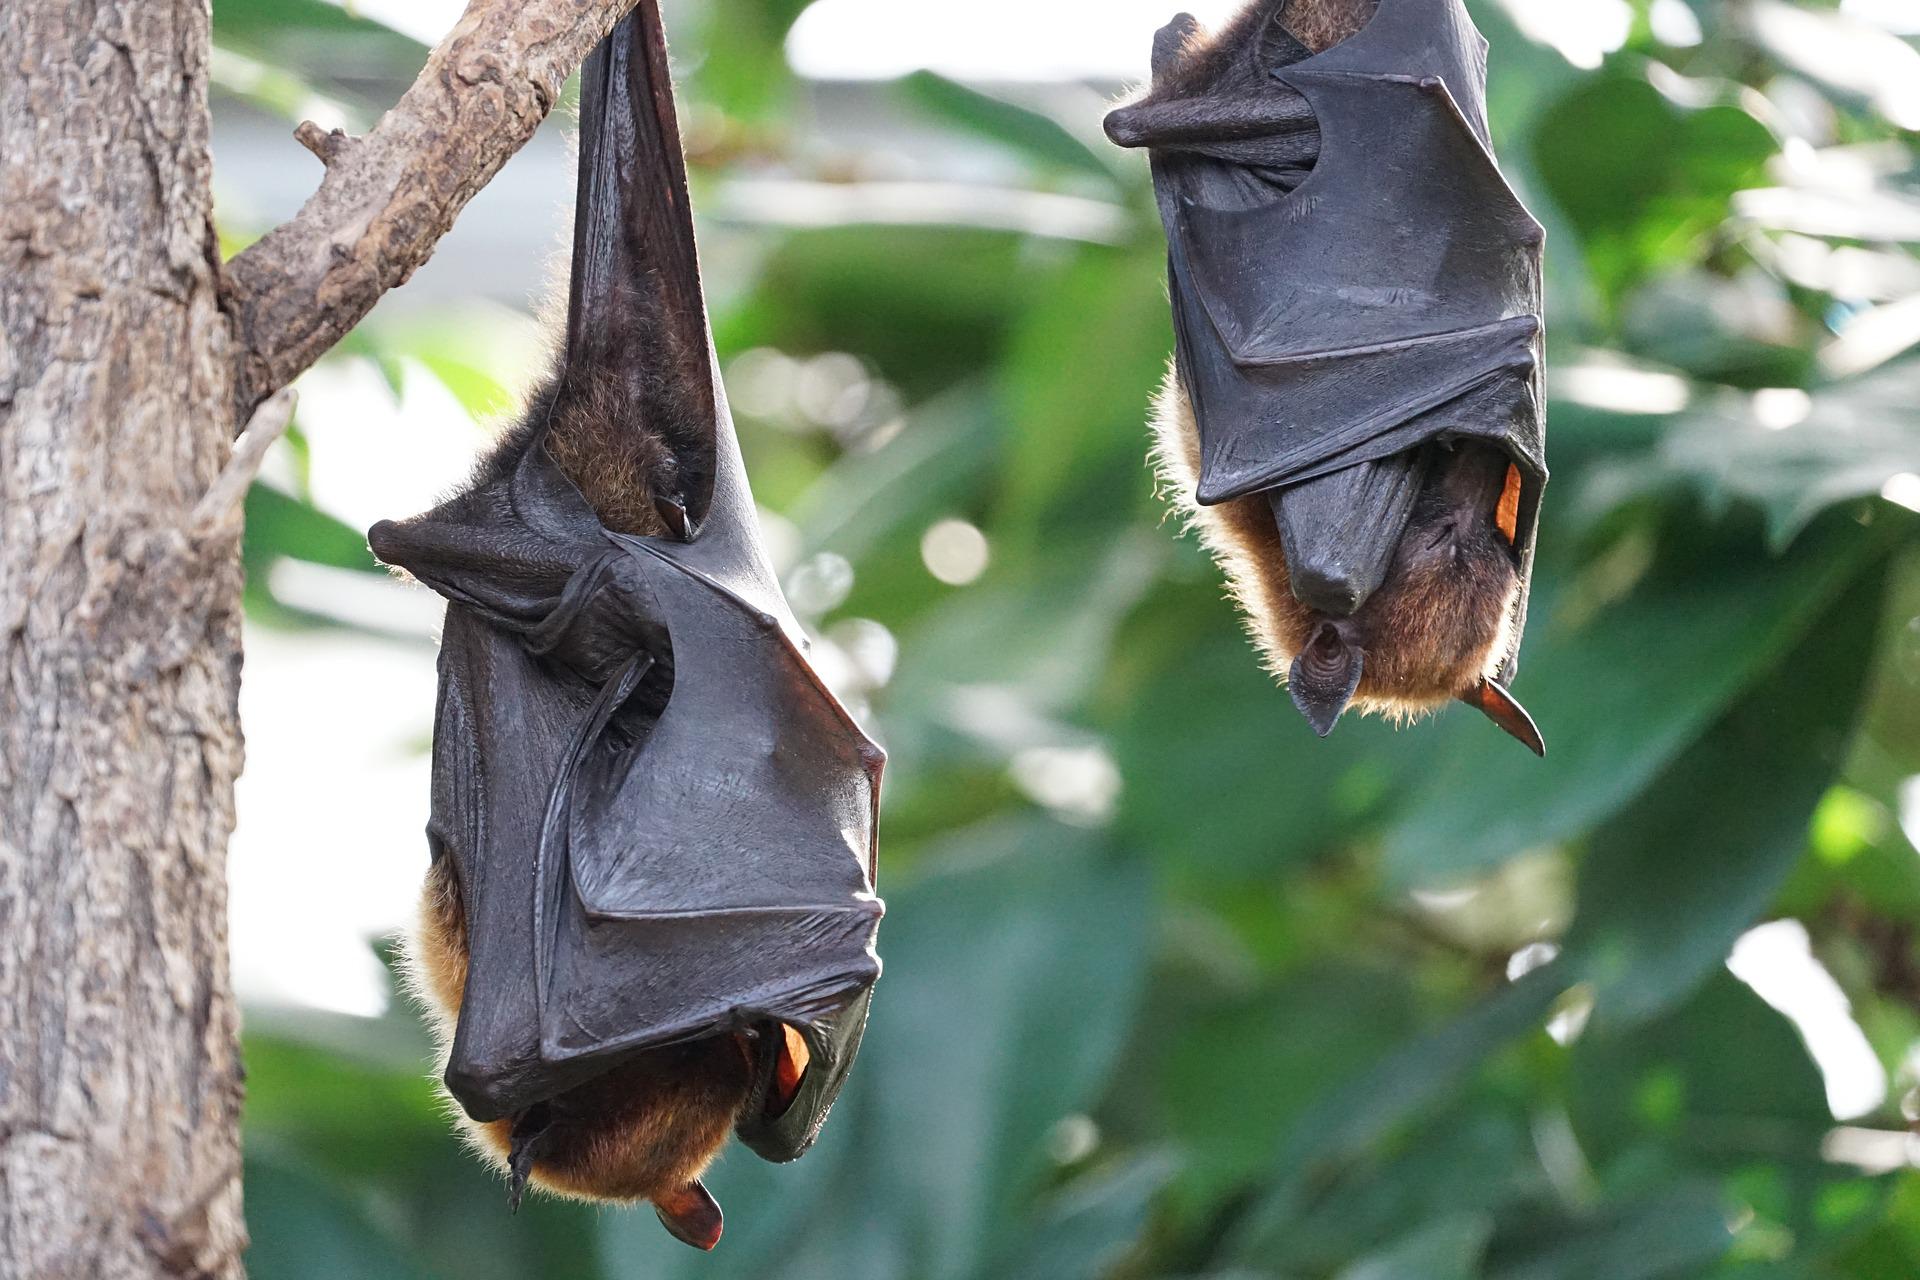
x=1334, y=315
x=661, y=821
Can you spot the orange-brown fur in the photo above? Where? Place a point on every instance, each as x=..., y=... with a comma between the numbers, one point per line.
x=1430, y=635
x=642, y=1131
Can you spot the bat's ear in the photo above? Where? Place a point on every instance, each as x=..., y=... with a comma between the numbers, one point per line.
x=1171, y=41
x=1505, y=710
x=1324, y=677
x=691, y=1215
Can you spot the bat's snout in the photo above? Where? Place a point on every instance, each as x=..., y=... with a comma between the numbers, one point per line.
x=1330, y=588
x=1339, y=532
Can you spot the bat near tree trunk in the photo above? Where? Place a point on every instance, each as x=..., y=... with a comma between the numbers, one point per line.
x=650, y=917
x=1355, y=418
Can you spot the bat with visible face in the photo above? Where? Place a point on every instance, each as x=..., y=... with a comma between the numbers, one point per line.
x=650, y=917
x=1355, y=416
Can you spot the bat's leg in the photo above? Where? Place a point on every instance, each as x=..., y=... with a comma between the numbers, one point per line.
x=523, y=1149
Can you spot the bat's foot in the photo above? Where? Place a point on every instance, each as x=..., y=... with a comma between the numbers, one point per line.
x=528, y=1130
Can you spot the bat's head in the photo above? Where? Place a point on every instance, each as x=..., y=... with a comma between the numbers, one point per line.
x=1438, y=625
x=646, y=1128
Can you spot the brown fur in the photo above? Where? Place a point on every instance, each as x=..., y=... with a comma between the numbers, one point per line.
x=642, y=1131
x=1321, y=24
x=1216, y=61
x=614, y=463
x=1430, y=633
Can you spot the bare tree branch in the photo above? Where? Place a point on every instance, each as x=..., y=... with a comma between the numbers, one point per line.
x=219, y=508
x=389, y=196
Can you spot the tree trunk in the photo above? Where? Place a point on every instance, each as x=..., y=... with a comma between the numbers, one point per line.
x=120, y=1079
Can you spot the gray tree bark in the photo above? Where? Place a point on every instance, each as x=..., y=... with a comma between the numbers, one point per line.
x=120, y=1077
x=120, y=370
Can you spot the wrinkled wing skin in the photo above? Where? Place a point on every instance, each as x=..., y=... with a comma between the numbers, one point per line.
x=1392, y=298
x=662, y=823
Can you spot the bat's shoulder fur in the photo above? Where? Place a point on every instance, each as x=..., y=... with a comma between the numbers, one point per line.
x=1239, y=533
x=1241, y=52
x=1431, y=635
x=643, y=1131
x=627, y=431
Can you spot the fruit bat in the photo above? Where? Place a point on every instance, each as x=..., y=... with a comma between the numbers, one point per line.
x=1354, y=417
x=650, y=917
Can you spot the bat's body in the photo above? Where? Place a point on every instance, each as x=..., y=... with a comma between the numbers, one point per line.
x=650, y=918
x=1434, y=630
x=1353, y=420
x=645, y=1130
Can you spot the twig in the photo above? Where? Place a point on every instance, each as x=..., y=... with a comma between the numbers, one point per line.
x=219, y=508
x=390, y=195
x=328, y=144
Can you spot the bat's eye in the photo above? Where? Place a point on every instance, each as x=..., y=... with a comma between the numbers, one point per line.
x=789, y=1071
x=1506, y=516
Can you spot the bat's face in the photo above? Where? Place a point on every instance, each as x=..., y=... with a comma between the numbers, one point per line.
x=646, y=1129
x=1436, y=627
x=1433, y=631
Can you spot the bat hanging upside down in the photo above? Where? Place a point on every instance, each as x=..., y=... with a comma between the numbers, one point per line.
x=1353, y=419
x=649, y=922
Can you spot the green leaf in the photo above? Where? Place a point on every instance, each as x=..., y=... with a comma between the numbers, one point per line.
x=1619, y=689
x=1345, y=1123
x=1038, y=137
x=1670, y=1237
x=742, y=68
x=1673, y=880
x=1642, y=179
x=1072, y=448
x=1239, y=1071
x=1449, y=1249
x=315, y=37
x=1853, y=438
x=1091, y=1225
x=302, y=1228
x=279, y=524
x=1711, y=1085
x=1010, y=984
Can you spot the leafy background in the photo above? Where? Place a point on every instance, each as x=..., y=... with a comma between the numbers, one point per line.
x=1172, y=988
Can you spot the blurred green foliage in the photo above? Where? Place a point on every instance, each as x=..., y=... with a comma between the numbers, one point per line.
x=1173, y=988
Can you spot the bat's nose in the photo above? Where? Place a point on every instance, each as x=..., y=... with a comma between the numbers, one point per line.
x=1327, y=586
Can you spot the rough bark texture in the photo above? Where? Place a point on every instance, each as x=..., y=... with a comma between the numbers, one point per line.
x=120, y=1077
x=120, y=377
x=388, y=197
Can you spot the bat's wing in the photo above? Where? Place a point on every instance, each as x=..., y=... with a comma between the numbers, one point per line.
x=634, y=260
x=662, y=822
x=1390, y=299
x=715, y=874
